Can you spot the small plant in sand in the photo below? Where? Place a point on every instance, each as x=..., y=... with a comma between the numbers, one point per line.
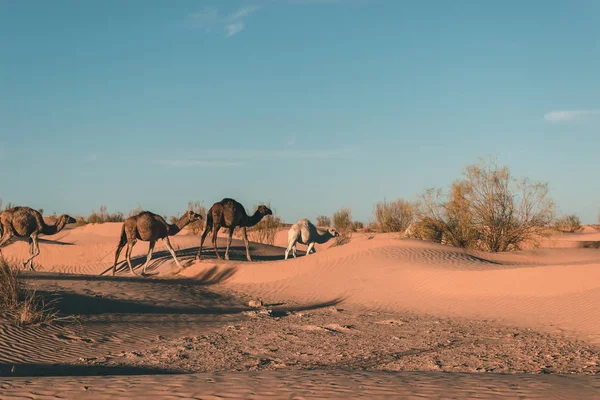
x=568, y=223
x=488, y=209
x=394, y=216
x=266, y=230
x=342, y=222
x=323, y=221
x=19, y=304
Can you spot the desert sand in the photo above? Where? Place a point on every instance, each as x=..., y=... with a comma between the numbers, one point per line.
x=378, y=317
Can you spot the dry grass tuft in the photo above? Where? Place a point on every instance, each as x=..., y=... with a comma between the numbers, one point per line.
x=342, y=222
x=568, y=223
x=394, y=216
x=18, y=303
x=266, y=230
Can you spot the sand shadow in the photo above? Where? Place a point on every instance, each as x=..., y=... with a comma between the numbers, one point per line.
x=589, y=244
x=23, y=370
x=198, y=302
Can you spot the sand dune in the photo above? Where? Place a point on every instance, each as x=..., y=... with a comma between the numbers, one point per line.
x=554, y=290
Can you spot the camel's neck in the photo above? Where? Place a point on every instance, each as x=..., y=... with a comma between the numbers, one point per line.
x=254, y=219
x=57, y=227
x=322, y=237
x=179, y=225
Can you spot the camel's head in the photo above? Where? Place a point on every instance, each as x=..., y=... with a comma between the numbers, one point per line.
x=264, y=210
x=193, y=216
x=69, y=219
x=333, y=232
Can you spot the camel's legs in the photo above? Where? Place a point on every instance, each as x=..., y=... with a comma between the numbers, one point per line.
x=311, y=246
x=216, y=228
x=149, y=256
x=207, y=229
x=31, y=250
x=170, y=248
x=291, y=245
x=294, y=251
x=119, y=248
x=35, y=251
x=128, y=254
x=231, y=229
x=245, y=235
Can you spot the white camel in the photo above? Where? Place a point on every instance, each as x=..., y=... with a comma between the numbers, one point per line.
x=306, y=233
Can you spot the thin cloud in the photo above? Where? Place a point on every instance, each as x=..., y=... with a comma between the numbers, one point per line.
x=209, y=19
x=569, y=115
x=197, y=163
x=91, y=158
x=240, y=157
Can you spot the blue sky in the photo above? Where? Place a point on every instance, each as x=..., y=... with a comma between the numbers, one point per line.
x=311, y=104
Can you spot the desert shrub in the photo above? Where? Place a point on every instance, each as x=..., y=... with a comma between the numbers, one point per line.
x=323, y=221
x=7, y=206
x=394, y=216
x=568, y=223
x=18, y=303
x=266, y=230
x=356, y=225
x=103, y=216
x=342, y=222
x=197, y=227
x=487, y=210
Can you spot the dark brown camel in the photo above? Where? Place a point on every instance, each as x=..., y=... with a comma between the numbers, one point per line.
x=150, y=227
x=25, y=222
x=228, y=213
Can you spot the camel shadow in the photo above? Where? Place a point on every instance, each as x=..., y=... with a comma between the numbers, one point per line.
x=187, y=256
x=40, y=240
x=210, y=276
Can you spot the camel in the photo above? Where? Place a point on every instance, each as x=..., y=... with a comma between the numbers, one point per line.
x=150, y=227
x=25, y=222
x=306, y=233
x=228, y=213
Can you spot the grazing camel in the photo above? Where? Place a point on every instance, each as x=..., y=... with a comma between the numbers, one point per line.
x=25, y=222
x=150, y=227
x=230, y=214
x=306, y=233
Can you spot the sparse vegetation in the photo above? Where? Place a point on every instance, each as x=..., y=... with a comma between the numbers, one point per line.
x=18, y=303
x=100, y=217
x=135, y=211
x=7, y=206
x=356, y=225
x=487, y=210
x=568, y=223
x=266, y=230
x=323, y=221
x=394, y=216
x=342, y=222
x=196, y=227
